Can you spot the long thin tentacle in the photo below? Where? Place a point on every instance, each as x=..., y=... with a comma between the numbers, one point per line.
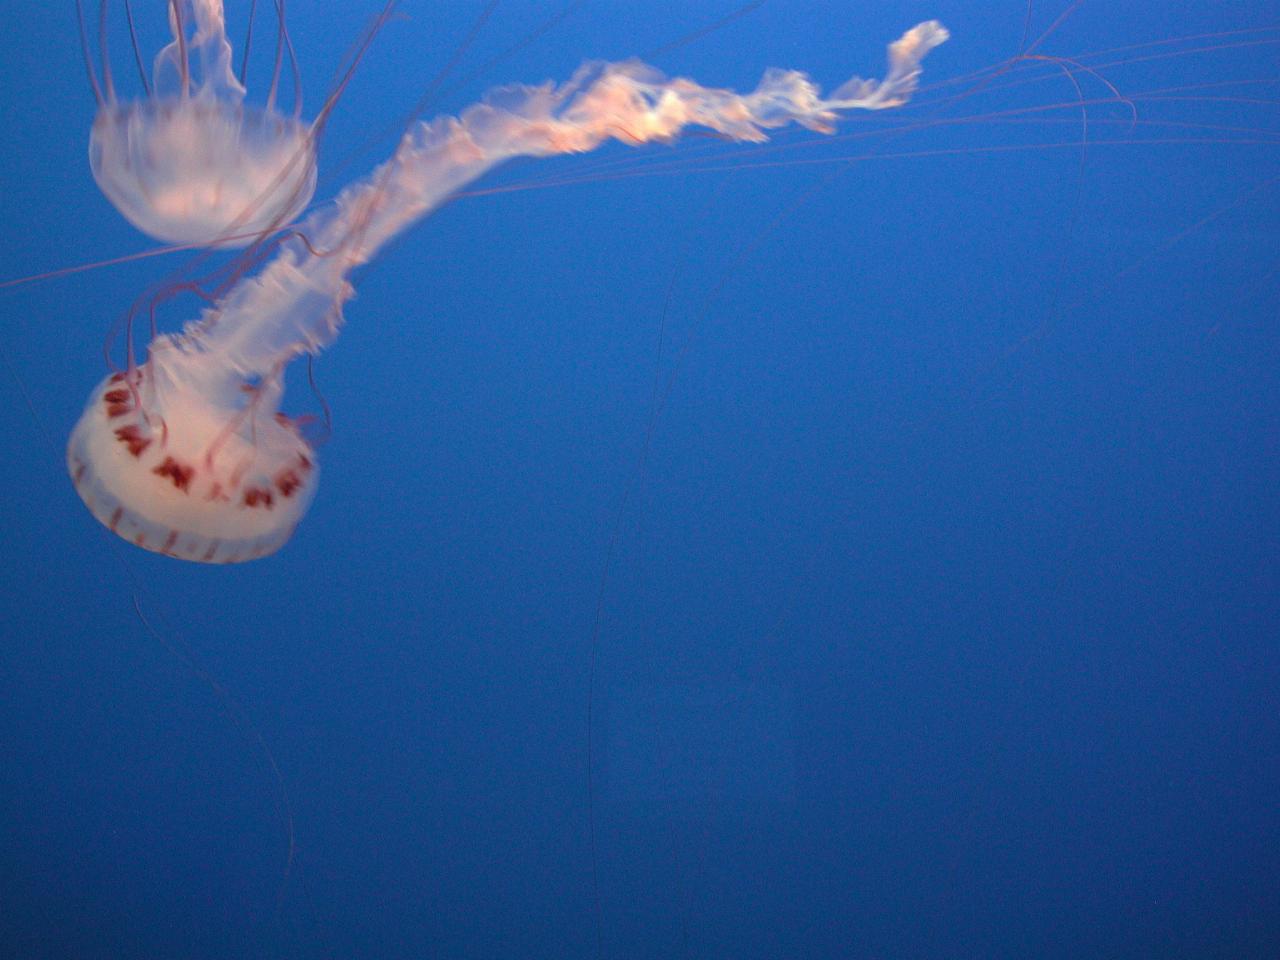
x=109, y=87
x=180, y=32
x=248, y=42
x=88, y=58
x=279, y=57
x=295, y=74
x=137, y=53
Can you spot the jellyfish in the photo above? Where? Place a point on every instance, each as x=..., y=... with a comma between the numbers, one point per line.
x=188, y=454
x=191, y=162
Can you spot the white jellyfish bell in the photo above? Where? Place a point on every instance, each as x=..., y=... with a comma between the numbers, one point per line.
x=190, y=162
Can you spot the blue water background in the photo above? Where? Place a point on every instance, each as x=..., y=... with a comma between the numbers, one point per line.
x=941, y=622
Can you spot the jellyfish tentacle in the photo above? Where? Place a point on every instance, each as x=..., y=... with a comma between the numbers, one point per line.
x=108, y=84
x=294, y=305
x=98, y=96
x=175, y=54
x=137, y=51
x=279, y=55
x=248, y=42
x=295, y=73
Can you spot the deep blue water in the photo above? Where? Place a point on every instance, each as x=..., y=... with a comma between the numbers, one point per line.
x=942, y=621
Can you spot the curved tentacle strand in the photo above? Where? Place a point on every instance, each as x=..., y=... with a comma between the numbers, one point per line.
x=294, y=305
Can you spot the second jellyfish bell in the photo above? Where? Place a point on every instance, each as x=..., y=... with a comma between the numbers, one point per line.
x=190, y=162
